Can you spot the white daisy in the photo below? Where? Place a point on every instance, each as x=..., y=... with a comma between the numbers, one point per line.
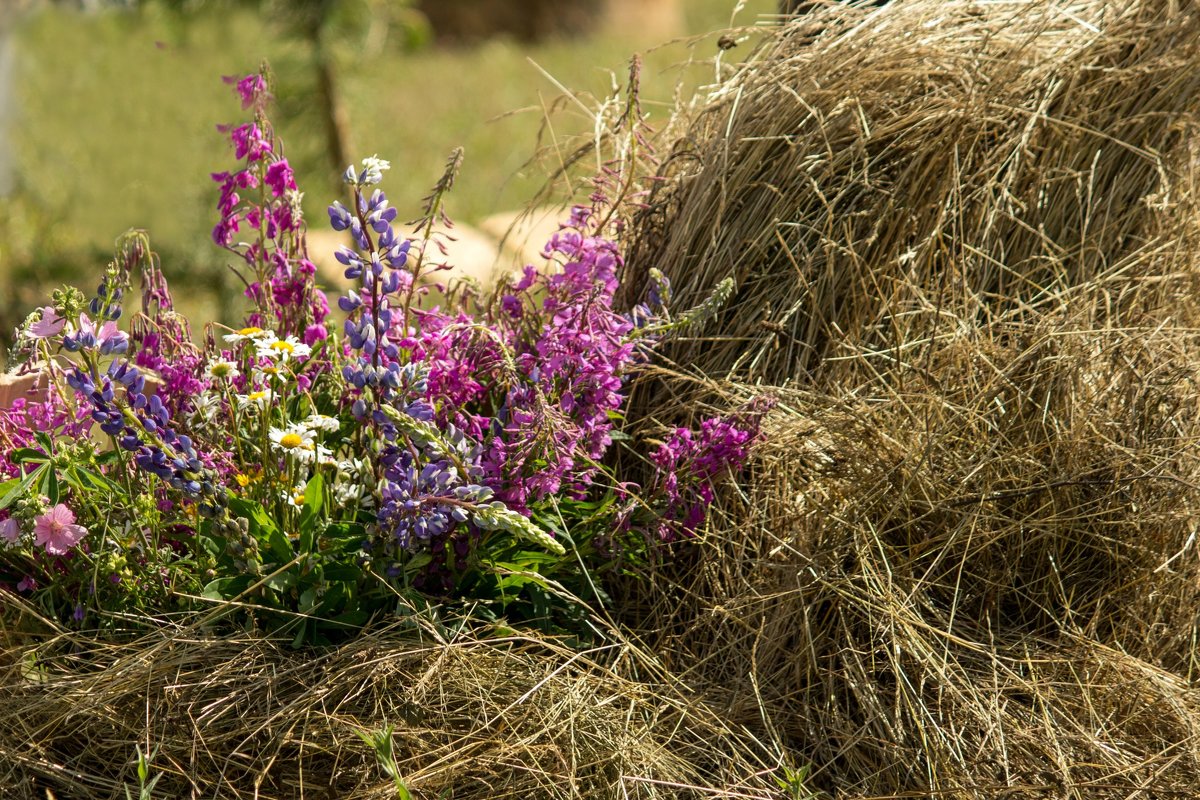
x=325, y=456
x=322, y=422
x=221, y=371
x=295, y=495
x=294, y=442
x=259, y=399
x=278, y=349
x=205, y=407
x=262, y=374
x=247, y=333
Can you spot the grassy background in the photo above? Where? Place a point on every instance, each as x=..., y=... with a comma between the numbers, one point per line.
x=115, y=114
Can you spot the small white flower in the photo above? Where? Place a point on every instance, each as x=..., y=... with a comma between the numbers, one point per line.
x=294, y=442
x=247, y=333
x=281, y=349
x=322, y=422
x=221, y=370
x=325, y=456
x=259, y=399
x=373, y=168
x=205, y=407
x=262, y=375
x=295, y=496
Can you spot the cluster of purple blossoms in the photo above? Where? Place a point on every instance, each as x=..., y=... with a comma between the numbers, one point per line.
x=558, y=422
x=21, y=420
x=141, y=424
x=425, y=491
x=689, y=463
x=282, y=282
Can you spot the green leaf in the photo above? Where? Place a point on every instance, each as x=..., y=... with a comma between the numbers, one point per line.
x=21, y=488
x=9, y=491
x=43, y=439
x=24, y=455
x=281, y=548
x=226, y=588
x=283, y=581
x=260, y=521
x=314, y=498
x=49, y=483
x=88, y=481
x=417, y=561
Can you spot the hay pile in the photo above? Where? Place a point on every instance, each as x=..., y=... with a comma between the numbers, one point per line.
x=965, y=562
x=964, y=242
x=869, y=168
x=242, y=717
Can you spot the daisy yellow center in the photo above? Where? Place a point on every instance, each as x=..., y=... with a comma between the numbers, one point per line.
x=291, y=440
x=283, y=347
x=221, y=369
x=249, y=331
x=255, y=396
x=298, y=498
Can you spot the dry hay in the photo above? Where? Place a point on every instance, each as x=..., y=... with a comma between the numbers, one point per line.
x=241, y=717
x=868, y=163
x=963, y=236
x=981, y=579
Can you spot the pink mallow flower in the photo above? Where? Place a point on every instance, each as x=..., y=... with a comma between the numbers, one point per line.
x=49, y=325
x=10, y=531
x=56, y=530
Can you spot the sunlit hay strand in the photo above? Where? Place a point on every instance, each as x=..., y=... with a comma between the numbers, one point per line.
x=869, y=168
x=240, y=717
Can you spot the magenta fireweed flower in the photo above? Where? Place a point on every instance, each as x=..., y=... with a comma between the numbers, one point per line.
x=252, y=89
x=24, y=417
x=264, y=197
x=280, y=177
x=690, y=462
x=56, y=530
x=559, y=421
x=249, y=142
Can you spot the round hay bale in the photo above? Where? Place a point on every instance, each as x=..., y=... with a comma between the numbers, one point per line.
x=870, y=167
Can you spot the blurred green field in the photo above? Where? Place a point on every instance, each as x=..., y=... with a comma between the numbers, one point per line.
x=115, y=116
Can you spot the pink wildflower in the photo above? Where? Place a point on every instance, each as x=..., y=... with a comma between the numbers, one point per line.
x=10, y=531
x=252, y=89
x=49, y=325
x=56, y=530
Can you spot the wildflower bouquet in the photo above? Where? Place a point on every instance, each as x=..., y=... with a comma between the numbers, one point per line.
x=308, y=478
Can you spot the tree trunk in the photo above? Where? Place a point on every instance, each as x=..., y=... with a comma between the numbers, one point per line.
x=333, y=111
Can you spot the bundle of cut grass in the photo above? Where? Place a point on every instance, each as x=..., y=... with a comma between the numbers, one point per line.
x=965, y=252
x=869, y=163
x=241, y=717
x=977, y=576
